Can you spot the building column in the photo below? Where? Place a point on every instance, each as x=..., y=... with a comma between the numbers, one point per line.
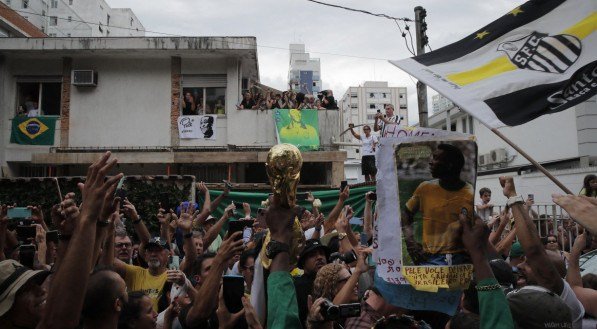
x=337, y=173
x=67, y=65
x=175, y=89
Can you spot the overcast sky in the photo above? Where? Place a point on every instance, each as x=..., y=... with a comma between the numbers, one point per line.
x=324, y=31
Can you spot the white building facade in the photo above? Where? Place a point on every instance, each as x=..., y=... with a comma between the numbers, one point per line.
x=134, y=106
x=78, y=18
x=304, y=73
x=565, y=143
x=359, y=105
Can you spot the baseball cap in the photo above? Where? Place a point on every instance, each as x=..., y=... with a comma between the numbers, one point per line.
x=502, y=272
x=312, y=245
x=157, y=241
x=13, y=276
x=516, y=250
x=537, y=307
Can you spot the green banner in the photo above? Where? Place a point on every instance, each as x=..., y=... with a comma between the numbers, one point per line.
x=328, y=198
x=298, y=127
x=33, y=131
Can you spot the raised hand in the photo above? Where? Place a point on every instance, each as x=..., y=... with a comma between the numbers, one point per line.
x=185, y=222
x=129, y=210
x=95, y=189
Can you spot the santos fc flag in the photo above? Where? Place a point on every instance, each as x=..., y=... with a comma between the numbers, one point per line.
x=539, y=58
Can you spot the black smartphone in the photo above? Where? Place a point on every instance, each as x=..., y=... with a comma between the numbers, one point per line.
x=302, y=196
x=234, y=288
x=52, y=236
x=343, y=185
x=27, y=254
x=239, y=226
x=26, y=232
x=373, y=196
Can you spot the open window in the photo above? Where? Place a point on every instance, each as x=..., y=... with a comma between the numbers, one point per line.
x=41, y=97
x=203, y=94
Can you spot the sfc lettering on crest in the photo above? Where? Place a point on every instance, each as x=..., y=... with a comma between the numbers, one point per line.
x=540, y=52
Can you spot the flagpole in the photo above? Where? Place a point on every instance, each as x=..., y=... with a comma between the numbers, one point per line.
x=535, y=163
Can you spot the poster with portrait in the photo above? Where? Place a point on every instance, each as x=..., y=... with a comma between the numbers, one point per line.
x=197, y=127
x=425, y=180
x=298, y=127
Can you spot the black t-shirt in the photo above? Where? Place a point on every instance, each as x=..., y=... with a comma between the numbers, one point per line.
x=209, y=323
x=247, y=105
x=304, y=287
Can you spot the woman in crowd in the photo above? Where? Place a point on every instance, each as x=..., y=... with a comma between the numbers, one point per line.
x=589, y=186
x=247, y=102
x=137, y=313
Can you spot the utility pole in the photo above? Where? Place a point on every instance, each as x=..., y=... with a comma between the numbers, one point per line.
x=422, y=40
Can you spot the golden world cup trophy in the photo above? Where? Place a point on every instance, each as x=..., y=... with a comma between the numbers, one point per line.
x=283, y=167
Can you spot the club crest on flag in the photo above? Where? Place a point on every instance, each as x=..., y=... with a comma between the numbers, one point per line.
x=32, y=128
x=540, y=52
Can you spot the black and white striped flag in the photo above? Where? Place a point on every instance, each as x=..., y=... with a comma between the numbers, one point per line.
x=540, y=58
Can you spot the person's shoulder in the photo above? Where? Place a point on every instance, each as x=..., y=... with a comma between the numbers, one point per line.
x=429, y=184
x=468, y=187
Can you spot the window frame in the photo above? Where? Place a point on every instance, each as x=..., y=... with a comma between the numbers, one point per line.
x=40, y=80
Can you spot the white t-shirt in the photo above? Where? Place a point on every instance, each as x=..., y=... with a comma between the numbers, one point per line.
x=368, y=143
x=576, y=309
x=485, y=214
x=33, y=113
x=382, y=125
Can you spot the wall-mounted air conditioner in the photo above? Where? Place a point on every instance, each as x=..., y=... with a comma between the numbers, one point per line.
x=84, y=78
x=499, y=156
x=484, y=159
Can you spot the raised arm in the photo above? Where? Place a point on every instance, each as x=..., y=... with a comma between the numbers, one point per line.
x=493, y=307
x=65, y=299
x=185, y=223
x=330, y=222
x=586, y=296
x=206, y=209
x=216, y=203
x=142, y=232
x=546, y=274
x=213, y=232
x=495, y=236
x=206, y=298
x=354, y=133
x=344, y=295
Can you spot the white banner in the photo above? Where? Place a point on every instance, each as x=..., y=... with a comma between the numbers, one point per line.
x=197, y=127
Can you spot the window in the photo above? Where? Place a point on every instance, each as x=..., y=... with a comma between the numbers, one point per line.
x=70, y=18
x=372, y=106
x=100, y=27
x=132, y=20
x=370, y=117
x=52, y=35
x=371, y=95
x=353, y=106
x=353, y=95
x=54, y=3
x=464, y=125
x=107, y=19
x=206, y=100
x=471, y=130
x=453, y=126
x=43, y=13
x=43, y=96
x=384, y=95
x=53, y=20
x=25, y=3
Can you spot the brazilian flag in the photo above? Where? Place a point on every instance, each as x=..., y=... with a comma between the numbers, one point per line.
x=33, y=131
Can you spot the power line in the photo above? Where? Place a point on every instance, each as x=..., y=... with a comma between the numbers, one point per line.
x=406, y=19
x=225, y=41
x=405, y=40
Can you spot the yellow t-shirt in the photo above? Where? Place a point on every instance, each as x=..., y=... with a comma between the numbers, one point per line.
x=139, y=279
x=440, y=210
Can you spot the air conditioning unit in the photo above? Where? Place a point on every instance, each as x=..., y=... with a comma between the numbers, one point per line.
x=84, y=78
x=499, y=156
x=484, y=159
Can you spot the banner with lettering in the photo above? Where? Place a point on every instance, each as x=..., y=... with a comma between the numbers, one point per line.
x=33, y=131
x=298, y=127
x=197, y=127
x=426, y=179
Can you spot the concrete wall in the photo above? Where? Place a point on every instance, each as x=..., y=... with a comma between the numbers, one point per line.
x=129, y=107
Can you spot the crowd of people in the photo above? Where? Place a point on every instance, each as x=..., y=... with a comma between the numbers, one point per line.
x=266, y=100
x=191, y=274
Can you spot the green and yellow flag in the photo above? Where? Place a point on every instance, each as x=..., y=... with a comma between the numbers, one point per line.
x=298, y=127
x=33, y=131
